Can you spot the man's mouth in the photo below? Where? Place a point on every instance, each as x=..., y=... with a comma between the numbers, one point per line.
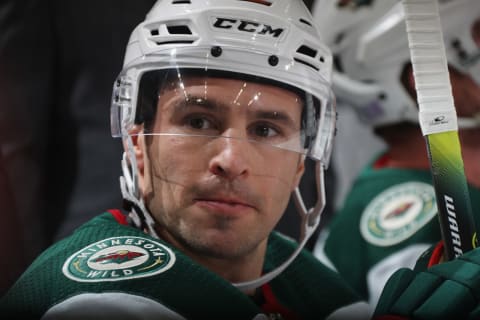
x=225, y=205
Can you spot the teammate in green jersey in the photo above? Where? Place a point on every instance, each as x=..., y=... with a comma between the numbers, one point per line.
x=389, y=216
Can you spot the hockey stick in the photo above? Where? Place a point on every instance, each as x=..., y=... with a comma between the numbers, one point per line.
x=438, y=121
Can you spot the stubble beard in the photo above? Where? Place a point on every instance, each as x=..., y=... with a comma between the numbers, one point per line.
x=220, y=241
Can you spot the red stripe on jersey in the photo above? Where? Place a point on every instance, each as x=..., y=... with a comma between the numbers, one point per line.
x=272, y=305
x=119, y=216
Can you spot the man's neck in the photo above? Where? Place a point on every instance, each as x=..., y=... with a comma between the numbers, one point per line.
x=471, y=155
x=411, y=152
x=408, y=152
x=233, y=269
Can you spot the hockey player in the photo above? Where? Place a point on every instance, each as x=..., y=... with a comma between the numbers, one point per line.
x=218, y=105
x=389, y=216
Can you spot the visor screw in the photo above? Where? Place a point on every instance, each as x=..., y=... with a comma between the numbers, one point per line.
x=118, y=82
x=216, y=51
x=273, y=60
x=117, y=98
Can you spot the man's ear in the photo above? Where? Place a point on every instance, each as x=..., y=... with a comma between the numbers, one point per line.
x=300, y=171
x=138, y=140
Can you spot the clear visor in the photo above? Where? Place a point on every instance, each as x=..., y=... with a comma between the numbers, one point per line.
x=204, y=104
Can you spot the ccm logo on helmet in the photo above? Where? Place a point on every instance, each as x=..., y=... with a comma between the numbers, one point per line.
x=247, y=26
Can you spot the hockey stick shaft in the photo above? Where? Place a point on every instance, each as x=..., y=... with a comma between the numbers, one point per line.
x=438, y=121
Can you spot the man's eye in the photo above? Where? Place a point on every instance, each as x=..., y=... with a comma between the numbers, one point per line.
x=264, y=131
x=199, y=123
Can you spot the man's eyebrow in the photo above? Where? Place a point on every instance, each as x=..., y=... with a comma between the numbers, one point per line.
x=215, y=106
x=197, y=101
x=277, y=116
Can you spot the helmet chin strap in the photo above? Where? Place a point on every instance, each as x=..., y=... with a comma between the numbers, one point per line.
x=310, y=220
x=142, y=218
x=131, y=192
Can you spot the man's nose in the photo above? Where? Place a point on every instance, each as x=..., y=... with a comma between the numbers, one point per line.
x=231, y=159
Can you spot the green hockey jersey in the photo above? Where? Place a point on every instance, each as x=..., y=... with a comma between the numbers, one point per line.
x=388, y=219
x=110, y=270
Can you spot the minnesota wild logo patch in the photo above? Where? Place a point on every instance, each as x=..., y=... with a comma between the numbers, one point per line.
x=397, y=213
x=119, y=258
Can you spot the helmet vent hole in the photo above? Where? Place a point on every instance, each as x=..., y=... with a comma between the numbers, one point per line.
x=181, y=2
x=305, y=22
x=179, y=29
x=267, y=3
x=306, y=63
x=307, y=51
x=154, y=32
x=161, y=43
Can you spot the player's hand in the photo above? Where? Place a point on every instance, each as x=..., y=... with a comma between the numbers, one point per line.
x=450, y=290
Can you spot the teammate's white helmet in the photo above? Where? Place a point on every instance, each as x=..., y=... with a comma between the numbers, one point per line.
x=369, y=40
x=273, y=41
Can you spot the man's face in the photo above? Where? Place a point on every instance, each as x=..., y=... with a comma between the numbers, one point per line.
x=466, y=91
x=216, y=185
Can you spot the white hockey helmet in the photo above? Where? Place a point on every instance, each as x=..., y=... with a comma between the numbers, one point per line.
x=370, y=45
x=274, y=41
